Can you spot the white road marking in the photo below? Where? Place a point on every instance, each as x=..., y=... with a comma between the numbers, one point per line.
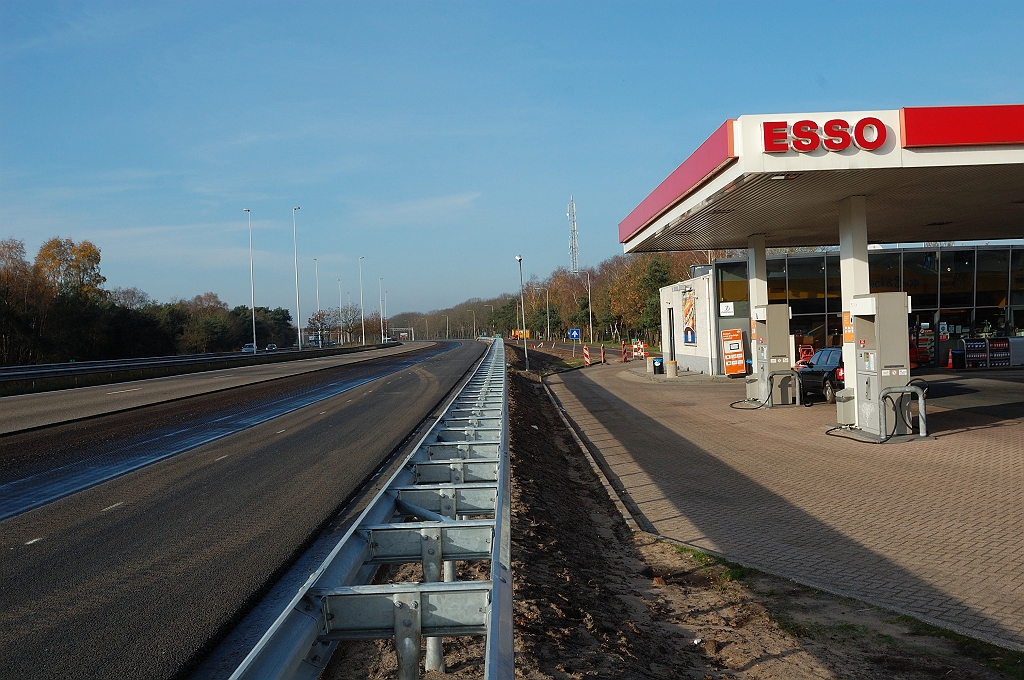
x=222, y=457
x=322, y=412
x=280, y=431
x=111, y=507
x=34, y=540
x=134, y=389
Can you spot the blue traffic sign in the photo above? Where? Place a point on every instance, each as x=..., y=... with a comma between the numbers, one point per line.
x=574, y=334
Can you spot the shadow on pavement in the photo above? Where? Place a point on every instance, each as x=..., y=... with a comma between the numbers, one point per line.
x=751, y=524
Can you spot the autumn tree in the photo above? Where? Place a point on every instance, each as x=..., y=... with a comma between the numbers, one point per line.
x=71, y=268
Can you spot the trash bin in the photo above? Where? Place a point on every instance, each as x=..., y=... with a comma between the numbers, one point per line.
x=659, y=365
x=846, y=407
x=959, y=358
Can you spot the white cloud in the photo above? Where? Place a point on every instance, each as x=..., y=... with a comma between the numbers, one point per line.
x=438, y=209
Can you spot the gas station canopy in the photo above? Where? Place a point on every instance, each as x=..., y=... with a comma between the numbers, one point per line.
x=927, y=174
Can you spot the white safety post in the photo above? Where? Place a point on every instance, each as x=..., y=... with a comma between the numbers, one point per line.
x=853, y=274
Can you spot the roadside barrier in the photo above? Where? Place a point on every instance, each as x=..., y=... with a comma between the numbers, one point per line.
x=449, y=501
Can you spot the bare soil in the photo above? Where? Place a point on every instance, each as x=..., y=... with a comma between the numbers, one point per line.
x=595, y=598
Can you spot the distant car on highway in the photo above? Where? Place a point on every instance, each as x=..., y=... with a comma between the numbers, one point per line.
x=249, y=348
x=271, y=347
x=823, y=373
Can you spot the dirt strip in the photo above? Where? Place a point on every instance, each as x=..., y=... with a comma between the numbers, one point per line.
x=597, y=599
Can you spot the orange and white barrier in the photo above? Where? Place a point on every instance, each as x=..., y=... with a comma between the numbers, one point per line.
x=586, y=355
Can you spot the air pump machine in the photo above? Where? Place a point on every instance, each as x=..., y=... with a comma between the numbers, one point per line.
x=771, y=347
x=882, y=347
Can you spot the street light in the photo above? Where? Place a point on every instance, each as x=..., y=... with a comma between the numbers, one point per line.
x=380, y=305
x=362, y=314
x=446, y=334
x=340, y=300
x=386, y=308
x=522, y=303
x=474, y=322
x=252, y=284
x=547, y=299
x=298, y=311
x=319, y=324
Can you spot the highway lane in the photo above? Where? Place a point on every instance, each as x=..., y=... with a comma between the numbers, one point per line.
x=135, y=577
x=29, y=411
x=76, y=466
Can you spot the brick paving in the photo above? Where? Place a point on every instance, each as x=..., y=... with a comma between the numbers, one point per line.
x=932, y=528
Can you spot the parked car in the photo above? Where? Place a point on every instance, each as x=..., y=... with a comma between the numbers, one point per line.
x=823, y=373
x=271, y=347
x=249, y=348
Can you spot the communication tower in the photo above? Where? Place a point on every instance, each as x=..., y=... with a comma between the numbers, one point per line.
x=574, y=245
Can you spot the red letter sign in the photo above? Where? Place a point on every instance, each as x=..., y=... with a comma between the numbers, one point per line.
x=837, y=135
x=862, y=141
x=805, y=136
x=776, y=139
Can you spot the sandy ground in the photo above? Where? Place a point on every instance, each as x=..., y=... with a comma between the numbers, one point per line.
x=595, y=598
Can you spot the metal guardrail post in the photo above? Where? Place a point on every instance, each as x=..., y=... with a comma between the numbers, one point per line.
x=470, y=443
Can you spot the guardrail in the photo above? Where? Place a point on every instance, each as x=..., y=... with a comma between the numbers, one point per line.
x=43, y=377
x=449, y=501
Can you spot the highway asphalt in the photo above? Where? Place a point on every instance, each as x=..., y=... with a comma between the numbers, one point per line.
x=139, y=576
x=29, y=411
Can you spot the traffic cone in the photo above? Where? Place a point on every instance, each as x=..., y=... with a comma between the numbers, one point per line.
x=949, y=362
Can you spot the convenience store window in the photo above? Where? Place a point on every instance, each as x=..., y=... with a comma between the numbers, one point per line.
x=733, y=287
x=956, y=278
x=993, y=278
x=990, y=322
x=809, y=329
x=1017, y=278
x=884, y=272
x=776, y=272
x=806, y=285
x=921, y=278
x=833, y=285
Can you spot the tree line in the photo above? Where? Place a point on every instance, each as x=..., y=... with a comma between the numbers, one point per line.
x=56, y=309
x=623, y=298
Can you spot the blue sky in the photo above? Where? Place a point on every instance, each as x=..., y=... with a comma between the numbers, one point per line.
x=437, y=140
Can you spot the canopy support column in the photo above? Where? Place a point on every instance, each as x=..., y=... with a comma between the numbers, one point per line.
x=757, y=282
x=853, y=273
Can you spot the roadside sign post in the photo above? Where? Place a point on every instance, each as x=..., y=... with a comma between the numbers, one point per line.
x=574, y=335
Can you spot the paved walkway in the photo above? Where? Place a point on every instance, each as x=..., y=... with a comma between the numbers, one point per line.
x=933, y=528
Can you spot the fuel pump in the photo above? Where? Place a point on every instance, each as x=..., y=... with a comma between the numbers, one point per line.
x=882, y=346
x=771, y=352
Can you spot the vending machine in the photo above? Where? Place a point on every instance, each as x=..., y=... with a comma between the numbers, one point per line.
x=772, y=354
x=882, y=346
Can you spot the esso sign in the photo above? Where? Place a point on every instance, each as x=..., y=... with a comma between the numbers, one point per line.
x=805, y=136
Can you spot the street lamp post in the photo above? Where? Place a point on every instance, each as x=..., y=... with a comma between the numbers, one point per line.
x=386, y=311
x=446, y=333
x=298, y=310
x=522, y=303
x=547, y=302
x=380, y=305
x=474, y=322
x=252, y=284
x=362, y=315
x=340, y=302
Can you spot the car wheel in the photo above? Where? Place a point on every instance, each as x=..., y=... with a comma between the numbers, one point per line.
x=830, y=394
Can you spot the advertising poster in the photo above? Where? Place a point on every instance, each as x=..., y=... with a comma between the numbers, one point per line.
x=732, y=352
x=689, y=318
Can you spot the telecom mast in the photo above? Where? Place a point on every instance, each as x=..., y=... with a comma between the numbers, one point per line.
x=574, y=245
